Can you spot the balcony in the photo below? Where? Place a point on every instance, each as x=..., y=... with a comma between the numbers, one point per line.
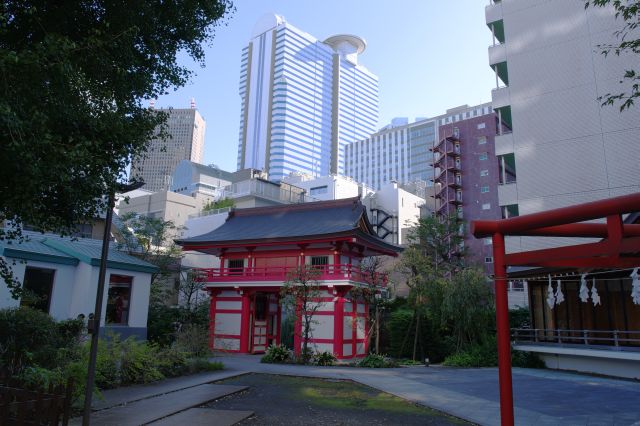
x=493, y=12
x=282, y=273
x=500, y=97
x=497, y=55
x=504, y=144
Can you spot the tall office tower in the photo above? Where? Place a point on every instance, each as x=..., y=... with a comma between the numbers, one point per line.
x=558, y=146
x=186, y=128
x=303, y=100
x=402, y=151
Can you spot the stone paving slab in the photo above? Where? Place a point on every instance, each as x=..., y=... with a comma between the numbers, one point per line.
x=113, y=397
x=152, y=409
x=204, y=417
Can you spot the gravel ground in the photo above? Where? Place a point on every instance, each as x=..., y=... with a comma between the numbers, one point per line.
x=284, y=400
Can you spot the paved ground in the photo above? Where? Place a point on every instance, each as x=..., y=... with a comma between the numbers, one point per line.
x=540, y=396
x=279, y=400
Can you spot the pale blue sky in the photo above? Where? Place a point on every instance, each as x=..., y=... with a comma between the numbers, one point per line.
x=429, y=56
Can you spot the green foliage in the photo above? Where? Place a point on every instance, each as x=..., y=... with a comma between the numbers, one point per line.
x=196, y=365
x=628, y=42
x=276, y=354
x=377, y=361
x=29, y=337
x=75, y=76
x=485, y=354
x=138, y=362
x=519, y=318
x=467, y=307
x=220, y=204
x=324, y=358
x=193, y=339
x=163, y=321
x=172, y=361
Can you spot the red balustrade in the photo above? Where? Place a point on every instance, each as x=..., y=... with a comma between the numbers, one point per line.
x=282, y=273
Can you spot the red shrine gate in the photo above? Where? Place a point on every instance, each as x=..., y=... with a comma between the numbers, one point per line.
x=619, y=248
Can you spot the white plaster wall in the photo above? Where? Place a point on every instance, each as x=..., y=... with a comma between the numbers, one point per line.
x=323, y=347
x=226, y=344
x=347, y=349
x=610, y=367
x=568, y=149
x=347, y=327
x=322, y=327
x=227, y=304
x=228, y=324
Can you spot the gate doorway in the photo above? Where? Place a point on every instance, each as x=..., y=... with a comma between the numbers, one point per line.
x=265, y=322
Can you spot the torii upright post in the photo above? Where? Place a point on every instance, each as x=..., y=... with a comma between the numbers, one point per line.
x=503, y=331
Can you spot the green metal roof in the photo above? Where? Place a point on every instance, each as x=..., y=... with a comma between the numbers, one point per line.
x=66, y=251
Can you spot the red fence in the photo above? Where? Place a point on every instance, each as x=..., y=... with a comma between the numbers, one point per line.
x=281, y=273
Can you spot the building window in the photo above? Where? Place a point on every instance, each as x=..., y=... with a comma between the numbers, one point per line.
x=486, y=206
x=38, y=285
x=319, y=261
x=488, y=241
x=484, y=189
x=484, y=172
x=516, y=286
x=484, y=156
x=481, y=125
x=83, y=231
x=318, y=190
x=488, y=260
x=507, y=168
x=482, y=140
x=118, y=300
x=236, y=266
x=510, y=210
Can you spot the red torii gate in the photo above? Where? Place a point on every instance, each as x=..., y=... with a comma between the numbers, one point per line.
x=617, y=239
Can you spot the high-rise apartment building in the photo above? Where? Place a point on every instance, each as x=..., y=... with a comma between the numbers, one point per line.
x=303, y=100
x=558, y=146
x=186, y=128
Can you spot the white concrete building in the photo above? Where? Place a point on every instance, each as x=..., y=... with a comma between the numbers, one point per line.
x=165, y=205
x=332, y=187
x=63, y=273
x=557, y=145
x=200, y=181
x=186, y=128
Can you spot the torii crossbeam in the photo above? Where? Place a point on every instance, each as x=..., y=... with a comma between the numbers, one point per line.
x=619, y=248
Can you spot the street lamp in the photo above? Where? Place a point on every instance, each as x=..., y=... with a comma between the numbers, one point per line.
x=94, y=324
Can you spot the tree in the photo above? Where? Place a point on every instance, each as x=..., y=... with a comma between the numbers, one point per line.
x=467, y=307
x=73, y=79
x=434, y=254
x=374, y=291
x=152, y=240
x=628, y=41
x=300, y=296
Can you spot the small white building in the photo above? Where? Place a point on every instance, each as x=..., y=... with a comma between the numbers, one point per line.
x=62, y=274
x=331, y=187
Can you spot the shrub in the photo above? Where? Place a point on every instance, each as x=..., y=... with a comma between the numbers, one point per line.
x=483, y=354
x=376, y=361
x=324, y=358
x=276, y=354
x=172, y=361
x=196, y=365
x=193, y=339
x=138, y=362
x=526, y=360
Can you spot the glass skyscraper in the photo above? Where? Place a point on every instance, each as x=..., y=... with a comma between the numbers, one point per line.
x=303, y=100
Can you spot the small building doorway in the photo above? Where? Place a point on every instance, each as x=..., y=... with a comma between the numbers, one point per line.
x=265, y=322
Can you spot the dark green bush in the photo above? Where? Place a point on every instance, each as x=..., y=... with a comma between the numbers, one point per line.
x=486, y=355
x=193, y=339
x=138, y=362
x=519, y=318
x=172, y=361
x=276, y=354
x=324, y=358
x=196, y=365
x=163, y=320
x=526, y=360
x=377, y=361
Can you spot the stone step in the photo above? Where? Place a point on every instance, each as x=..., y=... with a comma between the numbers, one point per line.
x=204, y=417
x=152, y=409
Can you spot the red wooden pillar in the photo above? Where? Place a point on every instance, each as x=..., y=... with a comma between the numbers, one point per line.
x=245, y=322
x=338, y=325
x=354, y=327
x=504, y=337
x=212, y=317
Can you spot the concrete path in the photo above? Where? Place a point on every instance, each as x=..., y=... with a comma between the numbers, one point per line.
x=113, y=397
x=542, y=397
x=204, y=417
x=151, y=409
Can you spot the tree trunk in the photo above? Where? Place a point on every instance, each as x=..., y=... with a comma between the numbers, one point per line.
x=415, y=338
x=377, y=330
